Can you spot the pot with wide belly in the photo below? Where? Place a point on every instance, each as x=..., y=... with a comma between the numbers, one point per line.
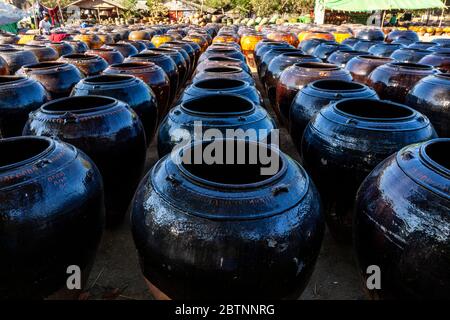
x=91, y=40
x=225, y=231
x=16, y=58
x=431, y=96
x=365, y=45
x=402, y=34
x=222, y=86
x=422, y=45
x=52, y=199
x=18, y=97
x=126, y=49
x=62, y=48
x=224, y=72
x=42, y=53
x=220, y=61
x=392, y=81
x=139, y=35
x=316, y=95
x=226, y=52
x=269, y=56
x=180, y=62
x=163, y=61
x=139, y=45
x=350, y=41
x=372, y=34
x=409, y=55
x=341, y=57
x=278, y=65
x=129, y=89
x=402, y=222
x=89, y=65
x=325, y=49
x=360, y=67
x=265, y=45
x=153, y=75
x=57, y=77
x=78, y=46
x=346, y=140
x=215, y=111
x=186, y=50
x=296, y=77
x=308, y=46
x=112, y=56
x=109, y=132
x=439, y=60
x=384, y=49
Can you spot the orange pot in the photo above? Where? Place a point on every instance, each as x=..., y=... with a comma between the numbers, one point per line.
x=225, y=38
x=305, y=35
x=201, y=41
x=248, y=44
x=92, y=40
x=158, y=40
x=139, y=35
x=283, y=36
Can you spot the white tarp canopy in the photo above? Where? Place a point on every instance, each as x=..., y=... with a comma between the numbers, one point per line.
x=11, y=14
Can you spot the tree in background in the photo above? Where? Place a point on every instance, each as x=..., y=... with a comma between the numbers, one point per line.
x=157, y=8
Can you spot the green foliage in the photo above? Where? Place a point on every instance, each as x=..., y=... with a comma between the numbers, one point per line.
x=262, y=7
x=157, y=8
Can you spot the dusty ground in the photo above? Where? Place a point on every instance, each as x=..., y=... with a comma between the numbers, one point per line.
x=116, y=273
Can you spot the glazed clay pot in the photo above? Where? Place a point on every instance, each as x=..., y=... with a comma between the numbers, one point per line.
x=400, y=221
x=269, y=56
x=18, y=97
x=323, y=50
x=440, y=61
x=402, y=34
x=308, y=46
x=153, y=75
x=89, y=65
x=346, y=140
x=109, y=132
x=306, y=35
x=219, y=111
x=111, y=56
x=299, y=75
x=341, y=57
x=139, y=35
x=197, y=49
x=350, y=41
x=365, y=45
x=248, y=44
x=158, y=40
x=62, y=48
x=224, y=73
x=221, y=61
x=36, y=172
x=180, y=62
x=126, y=49
x=186, y=50
x=129, y=89
x=372, y=34
x=422, y=45
x=226, y=52
x=139, y=45
x=361, y=66
x=316, y=95
x=409, y=55
x=42, y=53
x=105, y=38
x=78, y=46
x=431, y=96
x=8, y=38
x=384, y=49
x=278, y=65
x=220, y=85
x=210, y=205
x=58, y=78
x=3, y=67
x=263, y=47
x=166, y=63
x=16, y=58
x=392, y=81
x=91, y=40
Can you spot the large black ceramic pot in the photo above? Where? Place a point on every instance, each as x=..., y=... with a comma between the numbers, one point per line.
x=109, y=132
x=431, y=96
x=384, y=49
x=216, y=111
x=16, y=58
x=129, y=89
x=325, y=49
x=269, y=56
x=346, y=140
x=365, y=45
x=89, y=65
x=316, y=95
x=221, y=86
x=18, y=97
x=126, y=49
x=180, y=62
x=226, y=231
x=392, y=81
x=186, y=51
x=43, y=53
x=350, y=41
x=78, y=46
x=308, y=46
x=278, y=65
x=112, y=56
x=220, y=61
x=224, y=73
x=360, y=67
x=226, y=52
x=409, y=55
x=422, y=45
x=372, y=34
x=266, y=45
x=163, y=61
x=296, y=77
x=402, y=34
x=58, y=78
x=341, y=57
x=402, y=221
x=52, y=215
x=439, y=60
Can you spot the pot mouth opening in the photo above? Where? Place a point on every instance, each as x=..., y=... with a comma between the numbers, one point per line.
x=104, y=50
x=5, y=49
x=241, y=166
x=337, y=85
x=223, y=59
x=165, y=50
x=79, y=56
x=370, y=57
x=435, y=152
x=373, y=110
x=45, y=65
x=445, y=76
x=109, y=78
x=222, y=50
x=78, y=105
x=5, y=80
x=133, y=65
x=317, y=65
x=286, y=50
x=410, y=65
x=298, y=54
x=223, y=105
x=224, y=69
x=147, y=55
x=445, y=54
x=19, y=151
x=219, y=84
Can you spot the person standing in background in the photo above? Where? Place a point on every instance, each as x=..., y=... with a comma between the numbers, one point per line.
x=45, y=25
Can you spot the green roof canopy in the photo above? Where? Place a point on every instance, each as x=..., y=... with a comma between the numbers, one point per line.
x=371, y=5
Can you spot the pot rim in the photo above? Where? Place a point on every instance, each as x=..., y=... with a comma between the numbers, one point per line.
x=112, y=103
x=219, y=96
x=358, y=86
x=410, y=65
x=15, y=79
x=209, y=80
x=428, y=160
x=126, y=78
